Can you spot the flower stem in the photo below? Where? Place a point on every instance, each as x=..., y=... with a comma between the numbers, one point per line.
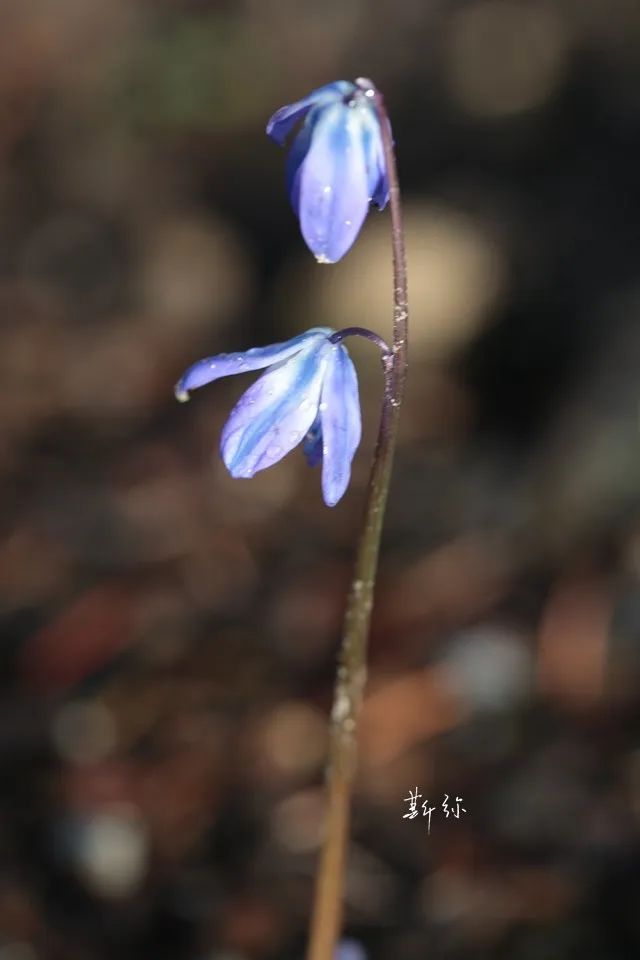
x=352, y=669
x=381, y=344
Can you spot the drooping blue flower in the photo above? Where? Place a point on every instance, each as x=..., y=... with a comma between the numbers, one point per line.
x=309, y=394
x=336, y=165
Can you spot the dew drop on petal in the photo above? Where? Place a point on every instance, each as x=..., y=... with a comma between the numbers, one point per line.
x=323, y=406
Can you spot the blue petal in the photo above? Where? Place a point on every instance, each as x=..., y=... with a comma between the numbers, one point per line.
x=341, y=423
x=298, y=152
x=333, y=188
x=312, y=446
x=380, y=195
x=226, y=364
x=276, y=412
x=377, y=179
x=284, y=119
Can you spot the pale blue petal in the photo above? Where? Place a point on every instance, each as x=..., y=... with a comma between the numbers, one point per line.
x=341, y=423
x=333, y=190
x=226, y=364
x=312, y=446
x=284, y=119
x=276, y=412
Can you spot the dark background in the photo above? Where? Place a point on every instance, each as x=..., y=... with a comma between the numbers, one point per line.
x=169, y=634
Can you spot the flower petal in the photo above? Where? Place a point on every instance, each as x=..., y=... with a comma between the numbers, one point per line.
x=226, y=364
x=341, y=423
x=377, y=179
x=284, y=119
x=334, y=194
x=295, y=158
x=276, y=412
x=380, y=195
x=312, y=446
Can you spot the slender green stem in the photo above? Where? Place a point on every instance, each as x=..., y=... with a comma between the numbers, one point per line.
x=352, y=669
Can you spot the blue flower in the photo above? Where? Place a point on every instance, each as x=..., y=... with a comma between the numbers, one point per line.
x=309, y=395
x=336, y=165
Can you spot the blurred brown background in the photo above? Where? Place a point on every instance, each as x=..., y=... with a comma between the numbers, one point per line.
x=169, y=634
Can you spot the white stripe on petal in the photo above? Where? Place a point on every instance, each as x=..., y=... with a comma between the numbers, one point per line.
x=333, y=194
x=276, y=412
x=227, y=364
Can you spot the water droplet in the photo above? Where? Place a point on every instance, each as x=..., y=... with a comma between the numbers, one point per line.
x=347, y=223
x=327, y=189
x=323, y=406
x=212, y=366
x=274, y=451
x=322, y=258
